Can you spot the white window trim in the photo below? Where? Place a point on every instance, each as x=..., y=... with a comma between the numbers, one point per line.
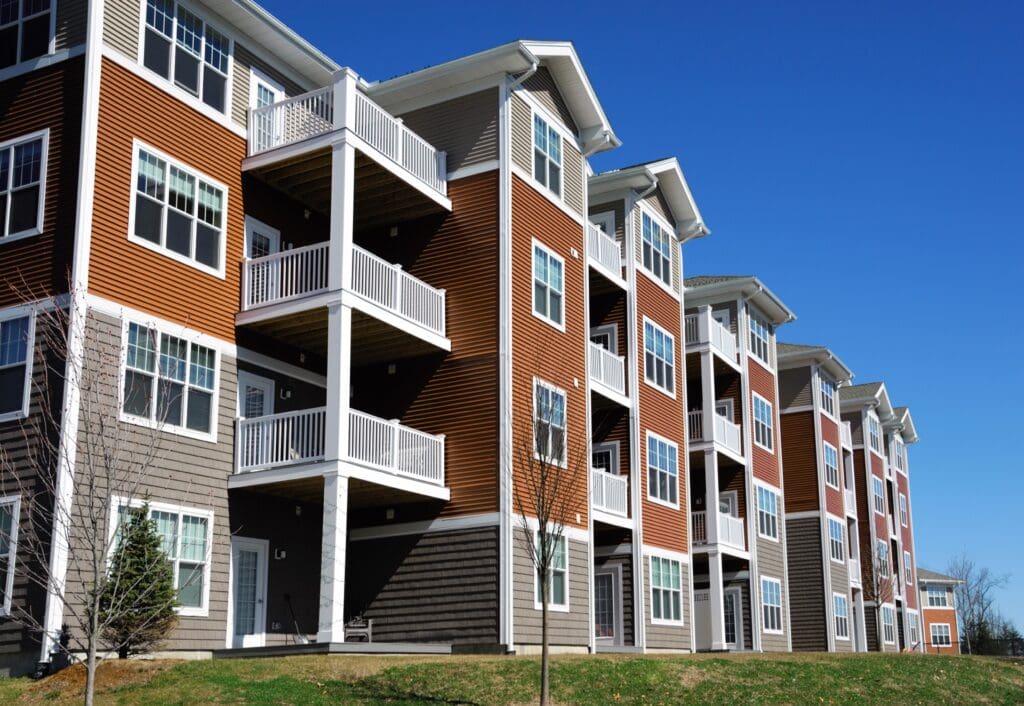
x=43, y=162
x=888, y=609
x=51, y=44
x=842, y=539
x=931, y=635
x=612, y=330
x=169, y=85
x=650, y=594
x=928, y=593
x=753, y=420
x=607, y=219
x=152, y=423
x=156, y=247
x=30, y=356
x=822, y=379
x=824, y=463
x=648, y=435
x=904, y=510
x=835, y=617
x=913, y=627
x=12, y=553
x=553, y=607
x=533, y=278
x=117, y=502
x=749, y=333
x=875, y=496
x=778, y=510
x=614, y=449
x=675, y=359
x=557, y=126
x=908, y=564
x=256, y=76
x=565, y=446
x=767, y=631
x=873, y=420
x=673, y=244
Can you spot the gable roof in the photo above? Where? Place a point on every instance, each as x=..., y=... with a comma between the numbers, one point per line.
x=868, y=394
x=711, y=289
x=926, y=576
x=514, y=58
x=903, y=420
x=792, y=355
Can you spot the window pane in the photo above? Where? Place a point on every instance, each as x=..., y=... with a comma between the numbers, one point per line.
x=207, y=246
x=172, y=358
x=12, y=389
x=213, y=89
x=193, y=538
x=216, y=50
x=148, y=215
x=169, y=401
x=156, y=55
x=141, y=348
x=186, y=70
x=190, y=585
x=199, y=406
x=540, y=166
x=35, y=37
x=167, y=528
x=558, y=588
x=138, y=389
x=201, y=372
x=24, y=210
x=8, y=46
x=160, y=16
x=179, y=233
x=13, y=341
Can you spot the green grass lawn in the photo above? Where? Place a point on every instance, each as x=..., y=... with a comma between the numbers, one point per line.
x=735, y=679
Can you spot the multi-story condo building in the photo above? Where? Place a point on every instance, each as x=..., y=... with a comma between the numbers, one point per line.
x=822, y=539
x=939, y=624
x=880, y=435
x=329, y=306
x=741, y=599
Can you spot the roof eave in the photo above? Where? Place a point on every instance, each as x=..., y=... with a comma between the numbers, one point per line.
x=750, y=288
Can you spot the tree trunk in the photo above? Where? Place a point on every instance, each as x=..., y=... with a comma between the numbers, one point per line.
x=90, y=672
x=122, y=651
x=545, y=681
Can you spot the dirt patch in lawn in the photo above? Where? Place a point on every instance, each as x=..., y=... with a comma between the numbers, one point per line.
x=70, y=683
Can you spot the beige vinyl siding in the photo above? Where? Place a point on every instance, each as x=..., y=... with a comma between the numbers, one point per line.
x=806, y=585
x=522, y=134
x=71, y=23
x=564, y=628
x=240, y=80
x=795, y=388
x=770, y=564
x=572, y=177
x=185, y=472
x=466, y=128
x=667, y=637
x=619, y=209
x=656, y=202
x=638, y=237
x=541, y=87
x=121, y=20
x=856, y=423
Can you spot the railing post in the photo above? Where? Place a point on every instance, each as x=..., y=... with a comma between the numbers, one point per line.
x=704, y=324
x=400, y=147
x=398, y=290
x=238, y=444
x=394, y=445
x=345, y=80
x=246, y=283
x=444, y=304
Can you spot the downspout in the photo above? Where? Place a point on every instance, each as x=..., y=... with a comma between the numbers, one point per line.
x=534, y=65
x=654, y=185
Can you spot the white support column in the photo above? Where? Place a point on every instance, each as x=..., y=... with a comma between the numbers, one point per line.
x=339, y=374
x=343, y=174
x=716, y=600
x=332, y=559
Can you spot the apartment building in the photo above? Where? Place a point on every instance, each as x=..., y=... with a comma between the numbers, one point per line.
x=940, y=626
x=822, y=537
x=880, y=435
x=740, y=567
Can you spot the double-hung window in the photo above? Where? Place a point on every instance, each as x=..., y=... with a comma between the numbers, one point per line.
x=908, y=569
x=22, y=185
x=185, y=537
x=662, y=470
x=763, y=422
x=878, y=493
x=940, y=635
x=547, y=155
x=882, y=555
x=836, y=543
x=10, y=514
x=840, y=608
x=184, y=49
x=831, y=465
x=657, y=247
x=659, y=358
x=767, y=512
x=898, y=451
x=888, y=624
x=666, y=590
x=179, y=212
x=548, y=285
x=937, y=597
x=771, y=604
x=15, y=365
x=828, y=396
x=904, y=515
x=24, y=30
x=549, y=423
x=168, y=382
x=760, y=336
x=557, y=578
x=874, y=435
x=914, y=636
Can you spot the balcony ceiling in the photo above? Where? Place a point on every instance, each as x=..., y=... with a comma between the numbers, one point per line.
x=381, y=198
x=361, y=494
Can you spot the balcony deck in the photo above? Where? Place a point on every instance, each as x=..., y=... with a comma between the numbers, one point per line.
x=701, y=329
x=604, y=254
x=609, y=495
x=726, y=435
x=731, y=532
x=608, y=373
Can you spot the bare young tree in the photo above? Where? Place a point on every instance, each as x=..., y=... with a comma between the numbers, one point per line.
x=975, y=598
x=879, y=588
x=551, y=473
x=67, y=471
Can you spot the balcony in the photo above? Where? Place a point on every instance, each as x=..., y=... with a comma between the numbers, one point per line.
x=303, y=272
x=604, y=254
x=845, y=436
x=297, y=438
x=608, y=492
x=724, y=433
x=730, y=530
x=854, y=568
x=608, y=372
x=342, y=106
x=703, y=329
x=851, y=502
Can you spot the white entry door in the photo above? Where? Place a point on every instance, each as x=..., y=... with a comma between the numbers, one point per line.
x=733, y=610
x=249, y=591
x=608, y=606
x=702, y=618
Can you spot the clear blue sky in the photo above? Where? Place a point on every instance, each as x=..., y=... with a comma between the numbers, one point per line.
x=866, y=162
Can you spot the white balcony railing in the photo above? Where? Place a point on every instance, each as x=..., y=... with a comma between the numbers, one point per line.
x=607, y=368
x=845, y=435
x=283, y=276
x=604, y=250
x=701, y=328
x=341, y=106
x=725, y=432
x=298, y=437
x=851, y=502
x=854, y=568
x=730, y=530
x=395, y=289
x=608, y=492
